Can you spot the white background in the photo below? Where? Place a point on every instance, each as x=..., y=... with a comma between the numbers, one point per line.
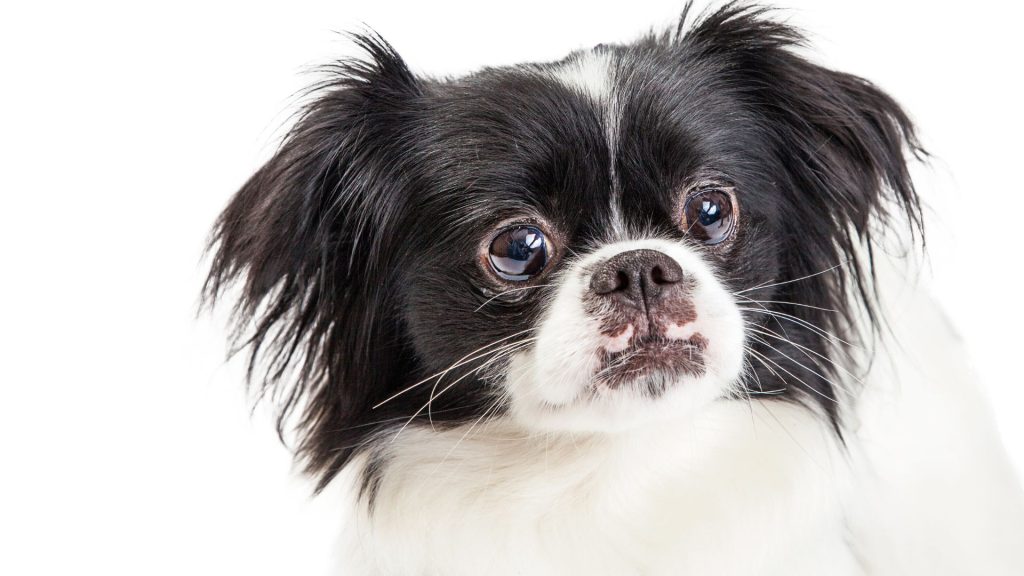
x=127, y=443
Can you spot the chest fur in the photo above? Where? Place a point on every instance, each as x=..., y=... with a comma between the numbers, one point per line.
x=746, y=489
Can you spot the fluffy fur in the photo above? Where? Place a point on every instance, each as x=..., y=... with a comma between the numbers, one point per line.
x=473, y=416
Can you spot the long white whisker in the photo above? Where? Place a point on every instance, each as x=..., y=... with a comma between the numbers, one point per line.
x=810, y=456
x=763, y=286
x=386, y=420
x=457, y=363
x=788, y=303
x=747, y=393
x=800, y=380
x=800, y=321
x=500, y=294
x=760, y=386
x=805, y=367
x=760, y=305
x=496, y=355
x=446, y=388
x=765, y=331
x=769, y=368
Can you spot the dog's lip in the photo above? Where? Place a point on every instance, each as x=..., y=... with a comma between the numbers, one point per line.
x=645, y=355
x=659, y=345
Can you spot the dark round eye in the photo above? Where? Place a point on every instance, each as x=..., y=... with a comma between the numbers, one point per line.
x=518, y=253
x=710, y=215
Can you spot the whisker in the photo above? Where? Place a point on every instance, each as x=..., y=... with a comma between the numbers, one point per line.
x=573, y=252
x=765, y=331
x=787, y=303
x=760, y=386
x=386, y=420
x=777, y=321
x=509, y=349
x=763, y=286
x=800, y=380
x=800, y=321
x=465, y=359
x=445, y=389
x=621, y=361
x=500, y=294
x=769, y=368
x=805, y=367
x=752, y=372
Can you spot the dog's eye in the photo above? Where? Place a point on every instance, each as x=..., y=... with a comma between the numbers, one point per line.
x=518, y=253
x=710, y=215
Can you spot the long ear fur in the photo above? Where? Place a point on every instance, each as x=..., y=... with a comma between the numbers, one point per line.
x=307, y=240
x=841, y=138
x=843, y=147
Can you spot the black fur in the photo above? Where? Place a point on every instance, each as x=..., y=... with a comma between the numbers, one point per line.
x=356, y=247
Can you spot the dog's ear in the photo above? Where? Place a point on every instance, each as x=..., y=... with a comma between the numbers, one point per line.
x=842, y=146
x=307, y=241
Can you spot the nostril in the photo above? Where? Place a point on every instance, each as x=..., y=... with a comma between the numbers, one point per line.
x=609, y=281
x=621, y=281
x=658, y=276
x=666, y=275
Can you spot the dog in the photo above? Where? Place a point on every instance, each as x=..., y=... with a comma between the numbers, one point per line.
x=643, y=310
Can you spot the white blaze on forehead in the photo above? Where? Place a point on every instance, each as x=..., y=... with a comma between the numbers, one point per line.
x=589, y=73
x=593, y=74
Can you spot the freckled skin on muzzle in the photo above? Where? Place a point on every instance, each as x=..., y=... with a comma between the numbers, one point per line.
x=642, y=299
x=638, y=330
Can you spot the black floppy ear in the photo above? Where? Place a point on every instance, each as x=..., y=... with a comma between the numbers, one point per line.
x=846, y=146
x=848, y=141
x=842, y=145
x=307, y=242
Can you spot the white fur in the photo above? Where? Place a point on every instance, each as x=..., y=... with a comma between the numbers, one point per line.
x=933, y=492
x=589, y=72
x=741, y=489
x=738, y=488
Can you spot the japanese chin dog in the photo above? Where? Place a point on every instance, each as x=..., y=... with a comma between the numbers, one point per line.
x=646, y=310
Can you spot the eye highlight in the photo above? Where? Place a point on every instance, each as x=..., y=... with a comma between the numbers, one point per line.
x=710, y=215
x=518, y=253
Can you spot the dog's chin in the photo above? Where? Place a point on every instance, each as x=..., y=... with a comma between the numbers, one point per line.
x=657, y=382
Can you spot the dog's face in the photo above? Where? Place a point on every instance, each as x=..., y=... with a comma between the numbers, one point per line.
x=582, y=274
x=622, y=236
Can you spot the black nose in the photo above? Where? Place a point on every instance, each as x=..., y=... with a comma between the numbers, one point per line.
x=636, y=278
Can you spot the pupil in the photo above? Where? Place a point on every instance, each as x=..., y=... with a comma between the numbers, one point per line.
x=519, y=249
x=709, y=216
x=709, y=213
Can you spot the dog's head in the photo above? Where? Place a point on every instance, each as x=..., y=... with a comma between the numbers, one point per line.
x=622, y=236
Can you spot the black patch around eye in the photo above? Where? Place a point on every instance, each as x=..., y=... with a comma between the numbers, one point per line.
x=519, y=253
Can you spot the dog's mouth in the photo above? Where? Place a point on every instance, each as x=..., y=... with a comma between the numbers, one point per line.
x=656, y=361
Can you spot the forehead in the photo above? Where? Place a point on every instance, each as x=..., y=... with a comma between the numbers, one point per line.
x=603, y=138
